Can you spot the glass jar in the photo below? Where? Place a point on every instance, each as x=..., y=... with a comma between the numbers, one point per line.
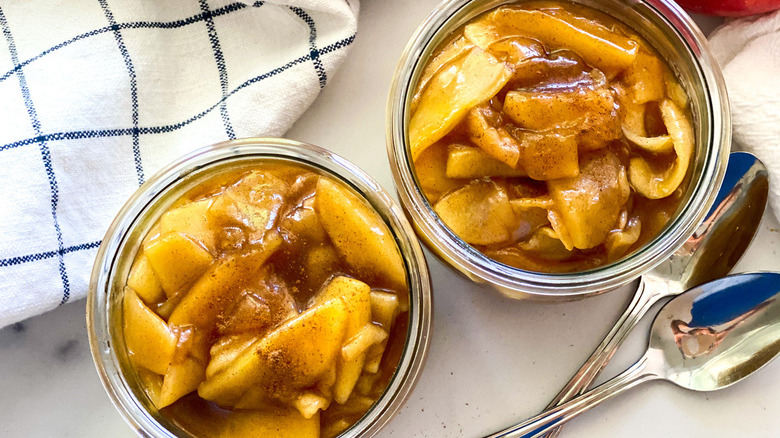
x=138, y=215
x=673, y=33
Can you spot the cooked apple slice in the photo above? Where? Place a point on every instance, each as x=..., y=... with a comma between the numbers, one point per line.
x=292, y=357
x=310, y=403
x=456, y=49
x=586, y=223
x=321, y=262
x=675, y=91
x=385, y=306
x=303, y=223
x=483, y=123
x=359, y=235
x=357, y=298
x=549, y=155
x=530, y=215
x=150, y=342
x=546, y=244
x=192, y=220
x=277, y=423
x=657, y=145
x=599, y=46
x=568, y=108
x=152, y=383
x=226, y=350
x=254, y=202
x=188, y=367
x=177, y=261
x=646, y=78
x=479, y=213
x=431, y=169
x=366, y=338
x=619, y=241
x=470, y=162
x=180, y=380
x=516, y=51
x=463, y=84
x=220, y=284
x=586, y=111
x=654, y=184
x=143, y=281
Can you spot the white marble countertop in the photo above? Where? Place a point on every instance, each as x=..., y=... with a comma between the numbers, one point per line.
x=492, y=361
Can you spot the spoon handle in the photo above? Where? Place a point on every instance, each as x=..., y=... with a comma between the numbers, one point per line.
x=647, y=294
x=544, y=422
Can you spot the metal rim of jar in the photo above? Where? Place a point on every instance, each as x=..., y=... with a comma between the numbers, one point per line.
x=103, y=293
x=676, y=26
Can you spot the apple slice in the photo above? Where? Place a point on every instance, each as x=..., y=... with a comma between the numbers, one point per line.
x=150, y=342
x=188, y=367
x=487, y=133
x=310, y=403
x=470, y=162
x=192, y=220
x=431, y=169
x=226, y=350
x=653, y=183
x=451, y=93
x=450, y=53
x=385, y=306
x=180, y=380
x=596, y=44
x=277, y=423
x=360, y=236
x=584, y=223
x=220, y=284
x=292, y=357
x=646, y=78
x=177, y=261
x=479, y=213
x=356, y=295
x=144, y=282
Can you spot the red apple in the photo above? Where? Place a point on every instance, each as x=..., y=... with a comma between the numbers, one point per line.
x=730, y=8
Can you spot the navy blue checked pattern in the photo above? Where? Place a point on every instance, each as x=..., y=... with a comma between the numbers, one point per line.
x=176, y=24
x=223, y=76
x=45, y=155
x=47, y=255
x=139, y=167
x=105, y=133
x=314, y=53
x=135, y=131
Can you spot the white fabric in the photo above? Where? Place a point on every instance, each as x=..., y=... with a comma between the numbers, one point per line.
x=97, y=95
x=748, y=50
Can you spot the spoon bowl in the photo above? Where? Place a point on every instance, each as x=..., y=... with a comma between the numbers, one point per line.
x=705, y=339
x=714, y=335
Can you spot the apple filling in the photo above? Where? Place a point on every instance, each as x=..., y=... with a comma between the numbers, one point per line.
x=551, y=137
x=267, y=301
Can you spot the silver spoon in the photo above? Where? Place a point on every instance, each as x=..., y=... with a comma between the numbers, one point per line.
x=710, y=253
x=708, y=338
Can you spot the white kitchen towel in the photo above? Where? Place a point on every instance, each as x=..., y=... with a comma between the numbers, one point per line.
x=97, y=95
x=748, y=50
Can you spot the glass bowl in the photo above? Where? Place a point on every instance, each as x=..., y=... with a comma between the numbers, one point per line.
x=672, y=32
x=119, y=247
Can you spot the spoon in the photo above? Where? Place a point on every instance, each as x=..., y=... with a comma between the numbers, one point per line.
x=707, y=338
x=710, y=253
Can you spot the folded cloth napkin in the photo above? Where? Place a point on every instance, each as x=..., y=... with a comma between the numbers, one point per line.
x=748, y=51
x=97, y=95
